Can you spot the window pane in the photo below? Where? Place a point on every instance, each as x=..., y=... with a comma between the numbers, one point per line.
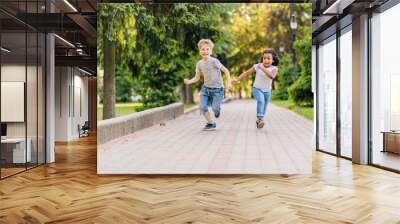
x=385, y=88
x=327, y=96
x=346, y=93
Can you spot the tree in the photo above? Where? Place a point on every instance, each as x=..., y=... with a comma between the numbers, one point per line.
x=260, y=26
x=166, y=50
x=157, y=44
x=300, y=91
x=285, y=79
x=116, y=34
x=124, y=83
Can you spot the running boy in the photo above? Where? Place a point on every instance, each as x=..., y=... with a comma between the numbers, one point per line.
x=212, y=91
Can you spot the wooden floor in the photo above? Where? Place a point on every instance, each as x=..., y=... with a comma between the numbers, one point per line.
x=10, y=171
x=70, y=191
x=387, y=159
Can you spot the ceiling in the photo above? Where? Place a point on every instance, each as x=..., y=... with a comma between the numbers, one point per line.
x=74, y=22
x=205, y=1
x=327, y=13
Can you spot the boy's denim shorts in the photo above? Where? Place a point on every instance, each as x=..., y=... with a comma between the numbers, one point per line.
x=211, y=97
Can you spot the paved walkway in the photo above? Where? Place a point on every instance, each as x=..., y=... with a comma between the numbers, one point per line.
x=283, y=146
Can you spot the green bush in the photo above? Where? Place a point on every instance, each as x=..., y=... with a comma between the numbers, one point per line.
x=286, y=77
x=300, y=91
x=123, y=83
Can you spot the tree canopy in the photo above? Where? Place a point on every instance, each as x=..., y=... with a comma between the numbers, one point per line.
x=156, y=44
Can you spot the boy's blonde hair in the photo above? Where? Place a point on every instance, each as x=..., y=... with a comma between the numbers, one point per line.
x=205, y=41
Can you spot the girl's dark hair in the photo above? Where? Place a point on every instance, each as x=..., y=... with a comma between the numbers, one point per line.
x=275, y=57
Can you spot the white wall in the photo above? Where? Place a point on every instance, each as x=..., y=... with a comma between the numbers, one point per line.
x=12, y=100
x=62, y=80
x=71, y=87
x=80, y=101
x=12, y=73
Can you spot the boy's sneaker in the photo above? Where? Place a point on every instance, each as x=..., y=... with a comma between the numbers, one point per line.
x=260, y=124
x=210, y=126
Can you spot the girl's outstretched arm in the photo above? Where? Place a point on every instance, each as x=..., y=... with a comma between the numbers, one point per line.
x=195, y=79
x=244, y=75
x=270, y=75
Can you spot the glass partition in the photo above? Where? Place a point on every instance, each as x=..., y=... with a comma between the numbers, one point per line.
x=327, y=95
x=41, y=86
x=22, y=88
x=32, y=98
x=385, y=89
x=14, y=153
x=346, y=92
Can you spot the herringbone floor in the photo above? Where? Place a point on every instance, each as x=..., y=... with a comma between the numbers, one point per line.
x=70, y=191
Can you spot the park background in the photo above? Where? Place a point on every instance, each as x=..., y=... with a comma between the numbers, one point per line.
x=145, y=50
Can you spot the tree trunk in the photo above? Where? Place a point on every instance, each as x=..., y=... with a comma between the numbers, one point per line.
x=189, y=94
x=184, y=96
x=109, y=79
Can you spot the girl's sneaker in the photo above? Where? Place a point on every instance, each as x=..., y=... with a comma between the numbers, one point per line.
x=260, y=124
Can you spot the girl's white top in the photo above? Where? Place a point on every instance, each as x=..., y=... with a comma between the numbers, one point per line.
x=262, y=81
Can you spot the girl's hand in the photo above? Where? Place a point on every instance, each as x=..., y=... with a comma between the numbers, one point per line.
x=186, y=81
x=235, y=81
x=229, y=85
x=261, y=67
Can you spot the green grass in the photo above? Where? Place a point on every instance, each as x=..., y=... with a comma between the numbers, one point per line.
x=307, y=112
x=121, y=109
x=190, y=105
x=127, y=108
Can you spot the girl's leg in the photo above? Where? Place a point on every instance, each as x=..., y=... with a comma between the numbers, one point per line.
x=267, y=96
x=259, y=97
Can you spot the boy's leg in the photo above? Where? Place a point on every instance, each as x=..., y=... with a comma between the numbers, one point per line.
x=207, y=116
x=204, y=102
x=217, y=98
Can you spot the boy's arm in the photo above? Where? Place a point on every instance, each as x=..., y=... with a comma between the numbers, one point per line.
x=228, y=77
x=245, y=74
x=271, y=75
x=195, y=79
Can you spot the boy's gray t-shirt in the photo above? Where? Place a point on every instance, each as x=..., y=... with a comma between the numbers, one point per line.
x=211, y=70
x=262, y=81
